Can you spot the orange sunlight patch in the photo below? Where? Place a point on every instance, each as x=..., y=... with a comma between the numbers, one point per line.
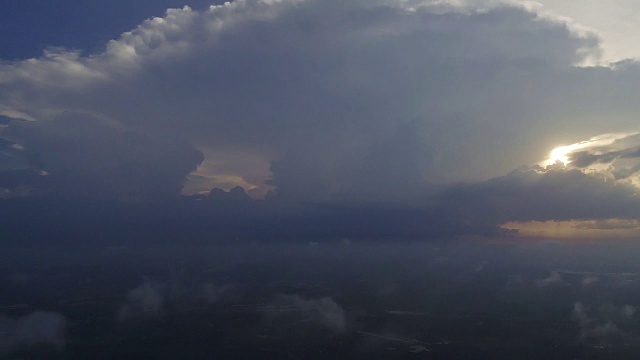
x=577, y=229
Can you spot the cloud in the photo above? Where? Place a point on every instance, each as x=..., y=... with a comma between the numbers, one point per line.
x=36, y=328
x=552, y=280
x=580, y=192
x=357, y=100
x=589, y=280
x=618, y=157
x=536, y=194
x=628, y=311
x=211, y=292
x=324, y=311
x=611, y=224
x=144, y=302
x=391, y=114
x=602, y=325
x=83, y=156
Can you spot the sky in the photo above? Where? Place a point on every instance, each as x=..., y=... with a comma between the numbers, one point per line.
x=322, y=119
x=615, y=21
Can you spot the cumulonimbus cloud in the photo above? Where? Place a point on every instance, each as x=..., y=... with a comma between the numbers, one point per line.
x=345, y=101
x=333, y=83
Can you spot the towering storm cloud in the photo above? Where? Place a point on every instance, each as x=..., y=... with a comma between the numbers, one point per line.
x=313, y=101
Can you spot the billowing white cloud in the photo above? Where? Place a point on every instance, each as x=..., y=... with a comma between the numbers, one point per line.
x=353, y=100
x=616, y=22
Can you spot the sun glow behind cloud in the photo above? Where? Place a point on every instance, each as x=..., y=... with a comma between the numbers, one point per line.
x=597, y=145
x=563, y=153
x=228, y=171
x=613, y=158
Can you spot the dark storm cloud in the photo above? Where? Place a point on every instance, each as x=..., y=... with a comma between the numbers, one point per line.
x=81, y=156
x=533, y=193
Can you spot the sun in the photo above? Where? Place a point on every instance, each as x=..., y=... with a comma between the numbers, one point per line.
x=563, y=153
x=559, y=154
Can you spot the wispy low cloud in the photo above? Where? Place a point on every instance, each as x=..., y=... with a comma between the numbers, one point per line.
x=37, y=328
x=609, y=224
x=553, y=279
x=324, y=311
x=590, y=280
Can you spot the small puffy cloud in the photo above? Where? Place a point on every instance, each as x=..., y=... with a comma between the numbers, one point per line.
x=553, y=279
x=144, y=302
x=37, y=328
x=628, y=311
x=603, y=324
x=590, y=280
x=324, y=311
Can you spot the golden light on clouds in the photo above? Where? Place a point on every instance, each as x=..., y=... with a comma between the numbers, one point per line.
x=226, y=169
x=577, y=229
x=562, y=153
x=202, y=184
